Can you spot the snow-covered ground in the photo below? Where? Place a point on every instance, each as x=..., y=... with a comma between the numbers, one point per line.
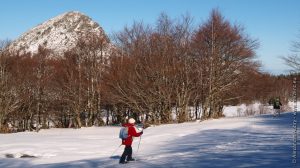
x=260, y=141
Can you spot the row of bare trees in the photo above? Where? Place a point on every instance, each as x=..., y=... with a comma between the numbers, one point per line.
x=171, y=67
x=155, y=73
x=41, y=90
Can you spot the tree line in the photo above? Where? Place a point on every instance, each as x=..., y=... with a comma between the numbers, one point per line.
x=168, y=72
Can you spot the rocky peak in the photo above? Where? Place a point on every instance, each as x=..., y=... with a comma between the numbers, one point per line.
x=59, y=34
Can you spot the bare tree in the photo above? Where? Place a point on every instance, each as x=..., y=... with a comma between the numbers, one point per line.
x=42, y=74
x=293, y=60
x=227, y=52
x=4, y=44
x=80, y=71
x=8, y=99
x=151, y=70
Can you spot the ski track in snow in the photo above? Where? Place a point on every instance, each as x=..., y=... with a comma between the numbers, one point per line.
x=260, y=141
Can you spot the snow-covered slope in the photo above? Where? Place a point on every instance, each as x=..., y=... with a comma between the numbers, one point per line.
x=58, y=34
x=261, y=141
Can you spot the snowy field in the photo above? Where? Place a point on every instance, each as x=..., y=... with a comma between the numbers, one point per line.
x=261, y=141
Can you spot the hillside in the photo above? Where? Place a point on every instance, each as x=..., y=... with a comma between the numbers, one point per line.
x=59, y=34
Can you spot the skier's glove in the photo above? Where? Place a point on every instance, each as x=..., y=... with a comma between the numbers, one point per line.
x=142, y=133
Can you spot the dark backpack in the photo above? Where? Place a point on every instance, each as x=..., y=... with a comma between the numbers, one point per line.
x=277, y=104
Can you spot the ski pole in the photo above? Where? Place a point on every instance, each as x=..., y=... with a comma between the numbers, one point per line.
x=139, y=145
x=115, y=150
x=140, y=140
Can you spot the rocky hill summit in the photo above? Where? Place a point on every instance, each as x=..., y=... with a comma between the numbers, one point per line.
x=59, y=34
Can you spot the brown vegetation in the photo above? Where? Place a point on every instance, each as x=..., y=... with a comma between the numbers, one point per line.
x=152, y=73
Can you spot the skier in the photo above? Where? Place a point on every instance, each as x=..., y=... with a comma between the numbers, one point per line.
x=276, y=106
x=127, y=154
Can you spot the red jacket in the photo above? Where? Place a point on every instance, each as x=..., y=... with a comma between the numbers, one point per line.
x=131, y=133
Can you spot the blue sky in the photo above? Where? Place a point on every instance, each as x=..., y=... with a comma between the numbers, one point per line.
x=275, y=23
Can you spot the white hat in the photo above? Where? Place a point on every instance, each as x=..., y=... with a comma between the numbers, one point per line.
x=131, y=121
